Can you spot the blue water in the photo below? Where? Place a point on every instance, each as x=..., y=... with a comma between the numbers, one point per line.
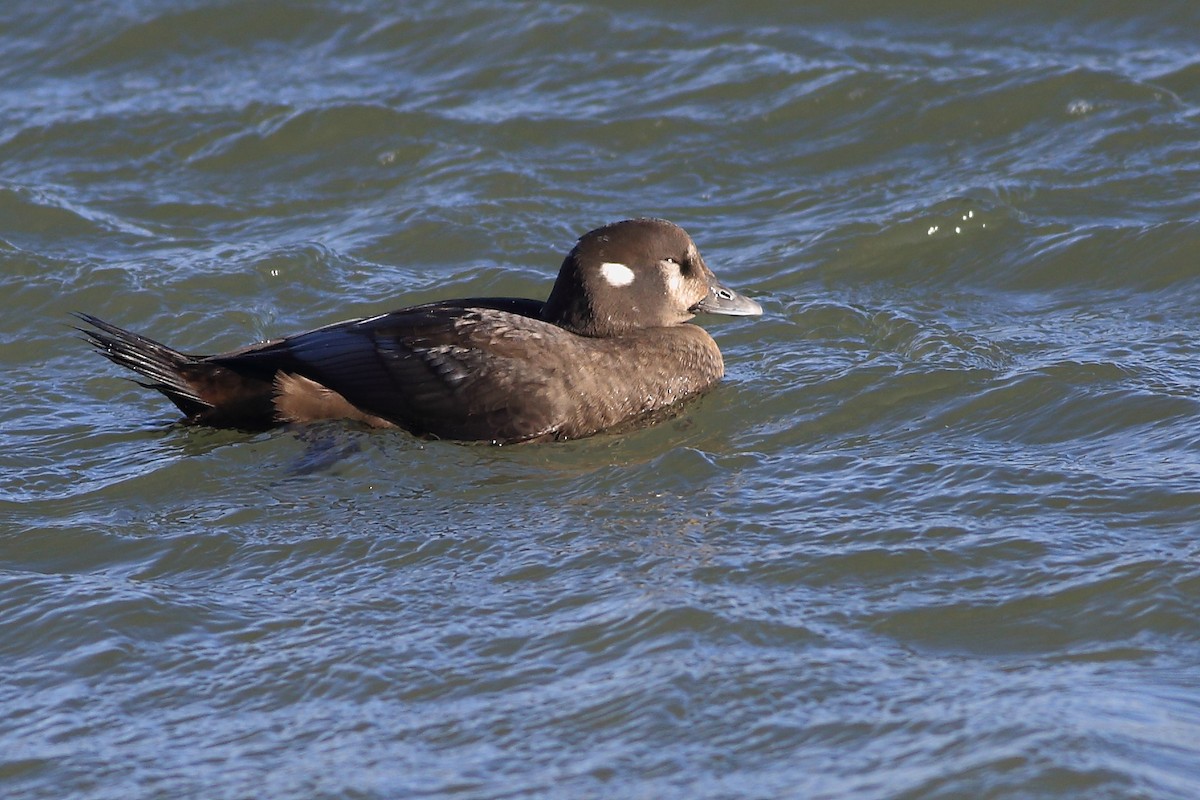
x=934, y=536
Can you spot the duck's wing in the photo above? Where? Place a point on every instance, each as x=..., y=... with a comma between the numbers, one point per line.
x=452, y=370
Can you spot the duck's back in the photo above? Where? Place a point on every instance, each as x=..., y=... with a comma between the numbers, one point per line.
x=479, y=373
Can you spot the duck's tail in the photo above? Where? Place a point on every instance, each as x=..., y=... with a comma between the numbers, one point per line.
x=165, y=369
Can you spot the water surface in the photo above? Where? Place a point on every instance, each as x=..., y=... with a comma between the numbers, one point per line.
x=935, y=536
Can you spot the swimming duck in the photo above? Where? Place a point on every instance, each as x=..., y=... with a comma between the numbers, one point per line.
x=610, y=347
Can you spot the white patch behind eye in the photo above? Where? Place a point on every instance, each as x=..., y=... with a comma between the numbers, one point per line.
x=616, y=274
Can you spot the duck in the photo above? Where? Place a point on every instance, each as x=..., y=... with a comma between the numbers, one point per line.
x=610, y=347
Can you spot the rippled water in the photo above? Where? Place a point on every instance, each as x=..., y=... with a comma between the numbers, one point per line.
x=934, y=537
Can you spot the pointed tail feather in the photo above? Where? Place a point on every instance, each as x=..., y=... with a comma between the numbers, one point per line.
x=162, y=366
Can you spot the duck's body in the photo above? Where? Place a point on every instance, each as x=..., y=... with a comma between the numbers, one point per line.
x=610, y=347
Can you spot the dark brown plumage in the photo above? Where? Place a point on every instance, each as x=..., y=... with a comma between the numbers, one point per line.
x=609, y=347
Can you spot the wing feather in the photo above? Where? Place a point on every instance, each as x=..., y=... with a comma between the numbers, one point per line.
x=444, y=370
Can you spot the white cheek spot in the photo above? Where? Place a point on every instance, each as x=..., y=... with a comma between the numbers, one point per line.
x=616, y=274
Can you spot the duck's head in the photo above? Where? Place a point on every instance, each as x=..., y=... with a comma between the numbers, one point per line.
x=637, y=273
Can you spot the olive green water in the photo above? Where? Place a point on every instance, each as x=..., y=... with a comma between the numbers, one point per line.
x=937, y=535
